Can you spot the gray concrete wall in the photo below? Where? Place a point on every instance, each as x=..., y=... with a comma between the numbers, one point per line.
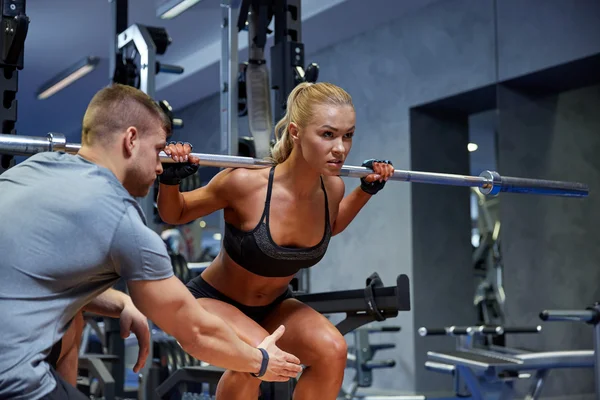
x=536, y=34
x=550, y=244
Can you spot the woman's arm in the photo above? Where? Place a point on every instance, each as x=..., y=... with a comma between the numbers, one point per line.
x=178, y=208
x=350, y=205
x=349, y=208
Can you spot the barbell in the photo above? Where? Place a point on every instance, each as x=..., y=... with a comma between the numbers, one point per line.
x=488, y=182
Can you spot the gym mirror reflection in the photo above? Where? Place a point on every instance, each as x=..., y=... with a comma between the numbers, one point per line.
x=485, y=224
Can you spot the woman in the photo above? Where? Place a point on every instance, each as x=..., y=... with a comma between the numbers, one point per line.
x=278, y=221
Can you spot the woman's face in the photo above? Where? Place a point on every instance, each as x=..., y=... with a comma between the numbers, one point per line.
x=327, y=139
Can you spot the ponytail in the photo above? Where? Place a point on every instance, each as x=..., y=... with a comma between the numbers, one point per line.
x=299, y=111
x=283, y=141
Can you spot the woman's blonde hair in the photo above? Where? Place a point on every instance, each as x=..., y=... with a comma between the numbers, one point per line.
x=299, y=111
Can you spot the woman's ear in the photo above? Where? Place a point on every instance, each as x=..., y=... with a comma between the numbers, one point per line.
x=294, y=131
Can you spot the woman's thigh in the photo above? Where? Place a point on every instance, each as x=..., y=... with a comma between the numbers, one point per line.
x=308, y=334
x=246, y=329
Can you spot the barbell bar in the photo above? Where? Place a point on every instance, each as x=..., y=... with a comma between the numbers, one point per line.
x=489, y=182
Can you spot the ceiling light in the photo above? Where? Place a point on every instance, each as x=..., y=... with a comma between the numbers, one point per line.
x=217, y=236
x=172, y=8
x=472, y=147
x=66, y=77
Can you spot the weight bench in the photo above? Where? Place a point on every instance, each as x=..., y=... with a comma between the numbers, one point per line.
x=473, y=367
x=495, y=369
x=361, y=306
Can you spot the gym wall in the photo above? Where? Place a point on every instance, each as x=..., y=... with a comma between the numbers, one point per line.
x=550, y=245
x=438, y=51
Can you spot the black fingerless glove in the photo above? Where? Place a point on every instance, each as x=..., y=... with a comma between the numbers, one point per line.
x=174, y=173
x=376, y=186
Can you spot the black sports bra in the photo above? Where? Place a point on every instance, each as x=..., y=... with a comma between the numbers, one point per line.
x=256, y=251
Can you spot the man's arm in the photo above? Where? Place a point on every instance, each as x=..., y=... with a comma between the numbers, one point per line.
x=170, y=305
x=116, y=304
x=109, y=303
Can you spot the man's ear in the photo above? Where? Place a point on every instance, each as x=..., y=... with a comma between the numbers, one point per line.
x=294, y=131
x=130, y=140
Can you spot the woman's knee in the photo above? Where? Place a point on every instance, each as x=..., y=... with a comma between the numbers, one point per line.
x=331, y=347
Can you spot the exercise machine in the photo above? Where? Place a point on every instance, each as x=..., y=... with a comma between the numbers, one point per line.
x=591, y=316
x=15, y=24
x=361, y=358
x=481, y=372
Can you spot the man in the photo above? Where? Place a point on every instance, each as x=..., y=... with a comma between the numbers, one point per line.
x=72, y=228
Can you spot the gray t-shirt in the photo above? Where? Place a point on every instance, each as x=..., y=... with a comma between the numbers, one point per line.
x=69, y=230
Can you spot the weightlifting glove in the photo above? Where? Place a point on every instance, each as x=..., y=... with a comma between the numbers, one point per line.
x=375, y=186
x=174, y=173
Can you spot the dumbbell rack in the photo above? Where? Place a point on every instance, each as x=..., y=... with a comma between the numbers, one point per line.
x=360, y=358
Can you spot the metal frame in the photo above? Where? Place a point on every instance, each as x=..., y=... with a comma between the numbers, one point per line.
x=591, y=316
x=229, y=71
x=204, y=374
x=142, y=40
x=98, y=369
x=287, y=53
x=360, y=358
x=229, y=85
x=14, y=24
x=118, y=21
x=477, y=370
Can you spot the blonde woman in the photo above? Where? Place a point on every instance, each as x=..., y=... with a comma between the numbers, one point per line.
x=277, y=221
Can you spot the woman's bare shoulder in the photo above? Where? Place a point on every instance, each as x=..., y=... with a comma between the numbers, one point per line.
x=242, y=180
x=335, y=187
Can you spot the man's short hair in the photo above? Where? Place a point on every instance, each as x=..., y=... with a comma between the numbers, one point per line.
x=115, y=108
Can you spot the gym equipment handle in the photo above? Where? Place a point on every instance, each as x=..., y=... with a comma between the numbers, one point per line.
x=522, y=329
x=384, y=329
x=450, y=331
x=439, y=367
x=477, y=330
x=525, y=185
x=569, y=315
x=377, y=364
x=382, y=346
x=489, y=182
x=169, y=69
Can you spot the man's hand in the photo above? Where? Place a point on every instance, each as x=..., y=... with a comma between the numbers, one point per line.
x=282, y=366
x=133, y=321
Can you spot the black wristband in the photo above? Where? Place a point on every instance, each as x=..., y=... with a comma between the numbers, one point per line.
x=263, y=365
x=372, y=187
x=174, y=173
